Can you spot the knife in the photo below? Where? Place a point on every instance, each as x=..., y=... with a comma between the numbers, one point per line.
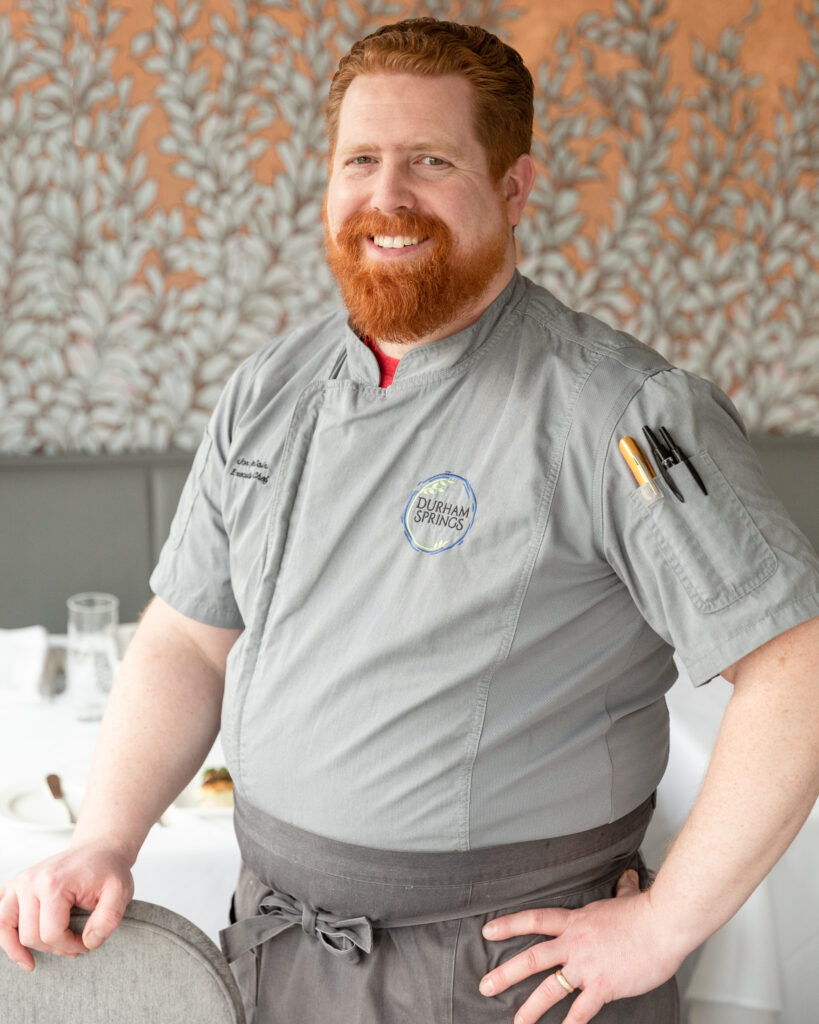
x=56, y=788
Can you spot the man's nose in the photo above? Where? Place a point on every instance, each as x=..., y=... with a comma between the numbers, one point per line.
x=392, y=190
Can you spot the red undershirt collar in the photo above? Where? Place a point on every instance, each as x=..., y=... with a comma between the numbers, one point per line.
x=386, y=364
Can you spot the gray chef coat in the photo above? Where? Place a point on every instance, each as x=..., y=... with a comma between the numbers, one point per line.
x=459, y=612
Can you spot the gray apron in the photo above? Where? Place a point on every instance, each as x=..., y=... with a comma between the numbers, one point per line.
x=332, y=932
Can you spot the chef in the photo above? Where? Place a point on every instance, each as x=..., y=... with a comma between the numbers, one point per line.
x=428, y=572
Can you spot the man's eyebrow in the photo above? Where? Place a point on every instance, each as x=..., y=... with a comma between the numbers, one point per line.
x=357, y=147
x=441, y=146
x=432, y=147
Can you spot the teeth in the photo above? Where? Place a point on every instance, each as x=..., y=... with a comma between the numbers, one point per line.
x=394, y=241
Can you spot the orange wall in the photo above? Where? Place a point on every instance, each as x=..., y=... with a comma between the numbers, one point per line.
x=161, y=176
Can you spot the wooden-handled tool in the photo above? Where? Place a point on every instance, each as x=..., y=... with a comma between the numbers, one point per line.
x=56, y=787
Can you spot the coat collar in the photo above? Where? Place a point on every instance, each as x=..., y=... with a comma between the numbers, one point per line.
x=429, y=360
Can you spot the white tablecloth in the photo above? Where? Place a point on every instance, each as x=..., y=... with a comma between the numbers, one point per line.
x=761, y=968
x=190, y=866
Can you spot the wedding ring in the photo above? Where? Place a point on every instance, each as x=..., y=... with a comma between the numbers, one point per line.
x=564, y=981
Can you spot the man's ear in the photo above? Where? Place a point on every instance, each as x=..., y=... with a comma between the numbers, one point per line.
x=516, y=185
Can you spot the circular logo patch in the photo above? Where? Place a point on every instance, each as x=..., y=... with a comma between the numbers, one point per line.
x=440, y=513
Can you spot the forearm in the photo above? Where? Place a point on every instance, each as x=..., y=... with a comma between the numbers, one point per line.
x=761, y=784
x=162, y=718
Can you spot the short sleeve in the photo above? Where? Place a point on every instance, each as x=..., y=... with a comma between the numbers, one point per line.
x=193, y=572
x=718, y=574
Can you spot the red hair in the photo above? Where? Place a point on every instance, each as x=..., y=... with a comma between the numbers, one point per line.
x=502, y=85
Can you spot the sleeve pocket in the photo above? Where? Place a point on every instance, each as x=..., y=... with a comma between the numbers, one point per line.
x=710, y=542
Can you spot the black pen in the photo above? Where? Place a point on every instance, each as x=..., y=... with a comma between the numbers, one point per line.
x=680, y=456
x=664, y=459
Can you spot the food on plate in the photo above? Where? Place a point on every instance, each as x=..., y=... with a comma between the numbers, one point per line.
x=216, y=789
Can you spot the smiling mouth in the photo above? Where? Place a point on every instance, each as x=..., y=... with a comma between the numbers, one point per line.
x=395, y=241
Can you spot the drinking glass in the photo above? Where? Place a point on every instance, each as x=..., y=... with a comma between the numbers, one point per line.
x=92, y=652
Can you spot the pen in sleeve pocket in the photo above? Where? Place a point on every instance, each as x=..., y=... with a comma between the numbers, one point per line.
x=680, y=456
x=664, y=459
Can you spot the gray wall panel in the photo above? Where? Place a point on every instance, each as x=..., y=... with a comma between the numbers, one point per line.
x=72, y=523
x=80, y=523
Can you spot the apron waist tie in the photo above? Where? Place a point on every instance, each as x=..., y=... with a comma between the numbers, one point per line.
x=598, y=858
x=347, y=938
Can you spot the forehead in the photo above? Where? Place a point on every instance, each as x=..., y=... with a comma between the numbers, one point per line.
x=404, y=109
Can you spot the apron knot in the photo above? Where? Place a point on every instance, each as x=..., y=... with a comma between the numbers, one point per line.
x=308, y=920
x=347, y=937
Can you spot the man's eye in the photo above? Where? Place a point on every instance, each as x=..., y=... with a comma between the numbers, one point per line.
x=360, y=160
x=432, y=161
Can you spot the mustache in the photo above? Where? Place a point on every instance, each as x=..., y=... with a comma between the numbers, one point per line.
x=372, y=223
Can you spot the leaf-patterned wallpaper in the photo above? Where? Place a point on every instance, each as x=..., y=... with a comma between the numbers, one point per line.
x=162, y=169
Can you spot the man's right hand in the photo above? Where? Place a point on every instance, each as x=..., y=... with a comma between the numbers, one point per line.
x=35, y=906
x=172, y=672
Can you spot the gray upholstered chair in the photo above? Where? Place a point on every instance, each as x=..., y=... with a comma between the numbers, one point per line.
x=157, y=968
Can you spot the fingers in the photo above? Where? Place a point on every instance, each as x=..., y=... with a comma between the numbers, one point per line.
x=608, y=949
x=583, y=1009
x=531, y=961
x=35, y=908
x=628, y=884
x=536, y=959
x=43, y=924
x=548, y=993
x=106, y=915
x=540, y=921
x=9, y=938
x=34, y=924
x=28, y=926
x=54, y=931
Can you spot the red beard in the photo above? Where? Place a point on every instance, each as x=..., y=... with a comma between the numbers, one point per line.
x=404, y=300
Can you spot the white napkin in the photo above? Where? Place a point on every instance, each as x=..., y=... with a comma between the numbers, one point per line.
x=22, y=660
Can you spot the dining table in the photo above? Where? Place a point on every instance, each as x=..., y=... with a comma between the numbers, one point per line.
x=189, y=861
x=760, y=968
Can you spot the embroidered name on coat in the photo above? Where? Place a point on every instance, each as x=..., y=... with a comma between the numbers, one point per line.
x=440, y=513
x=251, y=469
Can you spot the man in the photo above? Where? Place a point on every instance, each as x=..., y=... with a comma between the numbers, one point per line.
x=447, y=614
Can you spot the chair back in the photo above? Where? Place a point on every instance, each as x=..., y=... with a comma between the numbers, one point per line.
x=156, y=968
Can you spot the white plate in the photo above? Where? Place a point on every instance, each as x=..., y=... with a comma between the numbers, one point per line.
x=30, y=805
